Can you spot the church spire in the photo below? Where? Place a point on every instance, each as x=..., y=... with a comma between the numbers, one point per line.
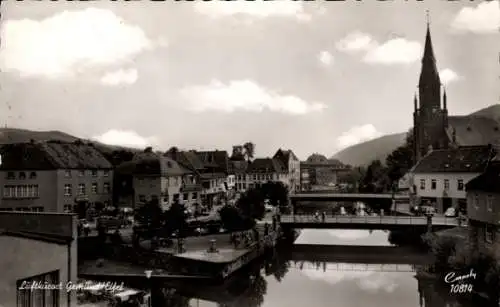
x=415, y=102
x=429, y=69
x=445, y=107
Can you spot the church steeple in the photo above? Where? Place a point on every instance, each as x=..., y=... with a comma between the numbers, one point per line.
x=415, y=102
x=429, y=83
x=445, y=107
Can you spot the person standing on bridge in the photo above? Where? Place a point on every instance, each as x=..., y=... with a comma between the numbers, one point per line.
x=323, y=216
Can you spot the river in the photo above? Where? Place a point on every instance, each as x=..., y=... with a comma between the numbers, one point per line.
x=284, y=283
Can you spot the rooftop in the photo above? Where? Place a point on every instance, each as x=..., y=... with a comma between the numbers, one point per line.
x=266, y=165
x=489, y=181
x=153, y=165
x=473, y=130
x=465, y=159
x=52, y=155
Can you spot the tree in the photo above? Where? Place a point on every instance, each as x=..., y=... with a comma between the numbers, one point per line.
x=251, y=204
x=150, y=216
x=176, y=219
x=232, y=219
x=276, y=192
x=249, y=150
x=375, y=179
x=400, y=161
x=353, y=177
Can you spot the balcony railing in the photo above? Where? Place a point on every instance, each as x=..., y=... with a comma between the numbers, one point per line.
x=386, y=220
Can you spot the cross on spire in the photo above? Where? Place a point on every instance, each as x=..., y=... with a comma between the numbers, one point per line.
x=427, y=17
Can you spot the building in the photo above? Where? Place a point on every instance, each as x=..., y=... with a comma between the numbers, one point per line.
x=217, y=162
x=483, y=198
x=54, y=176
x=292, y=165
x=262, y=170
x=37, y=247
x=239, y=168
x=318, y=172
x=432, y=127
x=159, y=177
x=212, y=176
x=441, y=175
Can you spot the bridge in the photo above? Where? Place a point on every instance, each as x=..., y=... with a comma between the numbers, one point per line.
x=304, y=221
x=317, y=197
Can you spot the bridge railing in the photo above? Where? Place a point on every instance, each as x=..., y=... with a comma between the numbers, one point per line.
x=352, y=267
x=353, y=219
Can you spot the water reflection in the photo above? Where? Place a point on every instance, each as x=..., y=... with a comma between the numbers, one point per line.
x=278, y=281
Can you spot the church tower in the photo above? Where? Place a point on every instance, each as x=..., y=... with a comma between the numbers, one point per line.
x=430, y=117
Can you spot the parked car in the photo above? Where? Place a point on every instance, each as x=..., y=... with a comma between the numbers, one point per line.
x=110, y=222
x=451, y=212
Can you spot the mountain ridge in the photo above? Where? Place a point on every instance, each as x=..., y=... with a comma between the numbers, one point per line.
x=362, y=154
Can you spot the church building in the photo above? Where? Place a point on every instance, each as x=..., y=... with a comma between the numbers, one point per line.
x=432, y=127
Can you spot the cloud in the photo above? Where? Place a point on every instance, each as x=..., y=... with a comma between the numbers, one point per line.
x=244, y=95
x=484, y=18
x=69, y=42
x=365, y=280
x=394, y=51
x=121, y=76
x=357, y=135
x=126, y=138
x=447, y=76
x=326, y=58
x=256, y=9
x=397, y=50
x=356, y=41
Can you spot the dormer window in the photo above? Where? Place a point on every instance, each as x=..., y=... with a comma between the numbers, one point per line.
x=22, y=175
x=469, y=128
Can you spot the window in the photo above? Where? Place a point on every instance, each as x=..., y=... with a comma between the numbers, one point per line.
x=476, y=201
x=489, y=235
x=460, y=184
x=11, y=175
x=94, y=188
x=185, y=196
x=94, y=173
x=81, y=173
x=194, y=195
x=37, y=209
x=447, y=184
x=68, y=208
x=176, y=196
x=67, y=190
x=433, y=184
x=38, y=297
x=422, y=184
x=106, y=187
x=22, y=175
x=20, y=191
x=32, y=175
x=67, y=173
x=81, y=189
x=106, y=173
x=142, y=198
x=489, y=203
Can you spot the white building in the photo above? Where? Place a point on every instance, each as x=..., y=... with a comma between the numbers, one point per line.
x=439, y=178
x=37, y=247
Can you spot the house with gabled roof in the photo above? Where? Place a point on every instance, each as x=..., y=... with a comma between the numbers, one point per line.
x=292, y=166
x=262, y=170
x=54, y=176
x=439, y=178
x=156, y=176
x=483, y=208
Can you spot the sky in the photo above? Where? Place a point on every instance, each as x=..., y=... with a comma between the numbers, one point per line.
x=307, y=76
